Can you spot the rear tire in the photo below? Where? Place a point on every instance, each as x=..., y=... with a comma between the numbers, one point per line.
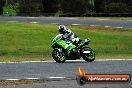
x=89, y=57
x=58, y=55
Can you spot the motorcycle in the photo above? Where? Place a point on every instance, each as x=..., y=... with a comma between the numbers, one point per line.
x=66, y=50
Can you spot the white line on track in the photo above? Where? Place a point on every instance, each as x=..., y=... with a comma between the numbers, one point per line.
x=32, y=78
x=48, y=78
x=76, y=24
x=12, y=79
x=107, y=26
x=34, y=22
x=56, y=77
x=118, y=27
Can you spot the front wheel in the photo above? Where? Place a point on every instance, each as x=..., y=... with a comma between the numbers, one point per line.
x=58, y=55
x=88, y=54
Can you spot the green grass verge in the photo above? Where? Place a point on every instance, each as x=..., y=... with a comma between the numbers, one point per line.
x=19, y=82
x=107, y=18
x=27, y=41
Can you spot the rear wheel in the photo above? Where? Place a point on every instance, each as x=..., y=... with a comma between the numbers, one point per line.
x=58, y=55
x=88, y=54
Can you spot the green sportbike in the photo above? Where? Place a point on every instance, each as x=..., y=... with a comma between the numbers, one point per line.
x=66, y=50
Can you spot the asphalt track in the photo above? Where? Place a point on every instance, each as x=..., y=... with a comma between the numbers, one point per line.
x=68, y=70
x=101, y=22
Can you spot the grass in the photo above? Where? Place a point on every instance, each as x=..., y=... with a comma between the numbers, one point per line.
x=19, y=82
x=108, y=18
x=26, y=41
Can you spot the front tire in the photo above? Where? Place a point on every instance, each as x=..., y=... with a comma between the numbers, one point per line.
x=58, y=55
x=89, y=57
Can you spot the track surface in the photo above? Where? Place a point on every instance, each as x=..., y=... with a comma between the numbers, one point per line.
x=68, y=69
x=114, y=23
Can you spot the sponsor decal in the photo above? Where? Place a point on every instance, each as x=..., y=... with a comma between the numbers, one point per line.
x=84, y=78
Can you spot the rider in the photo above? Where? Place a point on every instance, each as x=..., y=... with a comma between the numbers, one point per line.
x=68, y=34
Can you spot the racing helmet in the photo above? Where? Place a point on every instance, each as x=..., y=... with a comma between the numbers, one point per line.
x=62, y=28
